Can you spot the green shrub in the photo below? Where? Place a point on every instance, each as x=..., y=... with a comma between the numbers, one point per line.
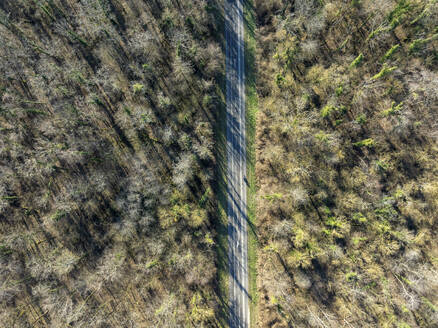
x=369, y=143
x=358, y=240
x=381, y=165
x=58, y=215
x=393, y=110
x=383, y=72
x=398, y=15
x=416, y=45
x=151, y=264
x=5, y=251
x=273, y=197
x=322, y=136
x=137, y=87
x=357, y=61
x=327, y=110
x=355, y=3
x=359, y=217
x=334, y=222
x=330, y=109
x=361, y=119
x=386, y=212
x=280, y=79
x=424, y=12
x=376, y=32
x=433, y=307
x=390, y=52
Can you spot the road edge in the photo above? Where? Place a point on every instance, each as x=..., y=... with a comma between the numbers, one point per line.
x=251, y=114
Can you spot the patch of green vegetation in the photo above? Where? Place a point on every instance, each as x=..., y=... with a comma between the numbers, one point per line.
x=395, y=109
x=361, y=119
x=386, y=212
x=137, y=87
x=344, y=43
x=399, y=13
x=384, y=72
x=357, y=61
x=280, y=80
x=356, y=3
x=369, y=143
x=35, y=111
x=327, y=232
x=273, y=197
x=152, y=264
x=381, y=165
x=358, y=240
x=9, y=197
x=251, y=115
x=359, y=218
x=58, y=215
x=322, y=136
x=205, y=197
x=416, y=45
x=327, y=110
x=430, y=304
x=403, y=325
x=376, y=32
x=5, y=250
x=330, y=109
x=426, y=12
x=334, y=222
x=390, y=52
x=399, y=194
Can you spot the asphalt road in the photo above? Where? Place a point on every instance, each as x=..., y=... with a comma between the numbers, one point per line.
x=236, y=166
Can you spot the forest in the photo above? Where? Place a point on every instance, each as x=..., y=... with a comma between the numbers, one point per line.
x=347, y=163
x=112, y=168
x=107, y=121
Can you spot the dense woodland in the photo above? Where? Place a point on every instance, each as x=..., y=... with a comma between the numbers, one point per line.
x=347, y=163
x=107, y=162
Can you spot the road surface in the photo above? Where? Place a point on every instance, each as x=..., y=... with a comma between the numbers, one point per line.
x=236, y=165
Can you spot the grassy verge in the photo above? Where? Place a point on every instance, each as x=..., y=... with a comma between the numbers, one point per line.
x=222, y=220
x=251, y=113
x=221, y=223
